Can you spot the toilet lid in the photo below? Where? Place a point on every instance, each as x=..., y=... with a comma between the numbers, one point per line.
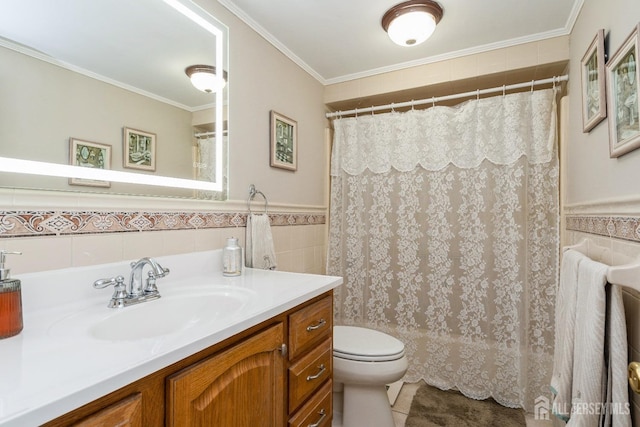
x=354, y=343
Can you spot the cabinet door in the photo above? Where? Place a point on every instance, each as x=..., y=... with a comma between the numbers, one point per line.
x=127, y=412
x=241, y=386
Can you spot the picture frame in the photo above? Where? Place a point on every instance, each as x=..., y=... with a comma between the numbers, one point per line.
x=91, y=155
x=139, y=149
x=594, y=100
x=623, y=79
x=284, y=142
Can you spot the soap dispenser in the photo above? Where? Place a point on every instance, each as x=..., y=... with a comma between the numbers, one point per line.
x=10, y=300
x=232, y=258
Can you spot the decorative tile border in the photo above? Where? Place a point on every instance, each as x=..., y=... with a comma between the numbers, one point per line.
x=56, y=223
x=621, y=227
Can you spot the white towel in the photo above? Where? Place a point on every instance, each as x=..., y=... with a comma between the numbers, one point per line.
x=589, y=375
x=617, y=394
x=260, y=251
x=562, y=377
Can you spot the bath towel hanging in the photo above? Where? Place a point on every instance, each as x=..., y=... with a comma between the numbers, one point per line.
x=562, y=376
x=600, y=330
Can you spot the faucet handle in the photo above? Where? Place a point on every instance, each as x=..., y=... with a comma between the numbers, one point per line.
x=151, y=288
x=103, y=283
x=119, y=290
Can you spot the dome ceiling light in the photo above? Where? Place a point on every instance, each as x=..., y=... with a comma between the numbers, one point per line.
x=204, y=78
x=412, y=22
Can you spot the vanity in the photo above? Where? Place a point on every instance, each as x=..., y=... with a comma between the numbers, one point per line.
x=213, y=350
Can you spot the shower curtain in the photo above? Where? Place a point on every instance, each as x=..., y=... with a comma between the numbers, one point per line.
x=444, y=225
x=205, y=162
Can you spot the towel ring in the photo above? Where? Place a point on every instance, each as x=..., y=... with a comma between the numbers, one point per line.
x=252, y=194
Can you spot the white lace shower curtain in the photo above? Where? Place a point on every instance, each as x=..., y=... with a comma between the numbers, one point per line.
x=444, y=225
x=205, y=165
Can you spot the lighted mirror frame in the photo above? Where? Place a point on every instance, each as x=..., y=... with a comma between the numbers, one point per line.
x=200, y=17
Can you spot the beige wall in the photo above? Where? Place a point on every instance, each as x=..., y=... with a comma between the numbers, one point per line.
x=591, y=174
x=515, y=64
x=261, y=79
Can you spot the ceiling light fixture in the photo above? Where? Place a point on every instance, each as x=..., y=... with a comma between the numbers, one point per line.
x=205, y=78
x=412, y=22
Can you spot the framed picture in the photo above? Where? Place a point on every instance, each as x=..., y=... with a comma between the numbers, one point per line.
x=89, y=155
x=139, y=149
x=622, y=86
x=284, y=142
x=594, y=101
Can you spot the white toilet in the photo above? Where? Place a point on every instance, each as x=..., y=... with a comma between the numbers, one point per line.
x=364, y=361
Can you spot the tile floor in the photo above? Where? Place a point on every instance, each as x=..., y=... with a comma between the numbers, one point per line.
x=403, y=404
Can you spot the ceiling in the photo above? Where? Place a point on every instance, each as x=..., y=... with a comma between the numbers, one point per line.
x=341, y=40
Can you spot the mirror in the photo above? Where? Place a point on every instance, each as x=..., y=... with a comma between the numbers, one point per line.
x=94, y=97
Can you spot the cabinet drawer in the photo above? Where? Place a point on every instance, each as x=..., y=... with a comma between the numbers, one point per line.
x=317, y=412
x=309, y=326
x=128, y=412
x=311, y=371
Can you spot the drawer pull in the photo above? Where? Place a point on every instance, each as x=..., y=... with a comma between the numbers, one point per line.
x=323, y=415
x=320, y=324
x=321, y=370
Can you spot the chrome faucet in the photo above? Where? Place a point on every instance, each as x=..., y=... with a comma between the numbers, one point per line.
x=134, y=292
x=135, y=279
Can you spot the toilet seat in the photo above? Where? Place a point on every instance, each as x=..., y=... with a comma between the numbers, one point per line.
x=366, y=345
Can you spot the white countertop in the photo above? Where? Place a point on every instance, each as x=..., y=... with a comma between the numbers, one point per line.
x=55, y=365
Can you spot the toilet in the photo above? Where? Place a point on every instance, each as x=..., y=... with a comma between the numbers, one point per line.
x=364, y=362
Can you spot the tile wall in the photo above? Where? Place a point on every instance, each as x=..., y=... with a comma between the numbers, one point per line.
x=60, y=239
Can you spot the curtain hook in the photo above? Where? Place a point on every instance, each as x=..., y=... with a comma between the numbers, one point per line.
x=372, y=110
x=392, y=109
x=504, y=90
x=356, y=112
x=433, y=101
x=554, y=83
x=412, y=106
x=477, y=94
x=532, y=82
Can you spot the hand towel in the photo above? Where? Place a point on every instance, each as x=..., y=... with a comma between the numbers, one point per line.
x=562, y=377
x=260, y=252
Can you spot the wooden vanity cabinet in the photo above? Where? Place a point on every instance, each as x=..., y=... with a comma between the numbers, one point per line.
x=241, y=386
x=246, y=380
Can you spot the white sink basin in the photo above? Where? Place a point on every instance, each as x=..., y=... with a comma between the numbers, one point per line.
x=171, y=313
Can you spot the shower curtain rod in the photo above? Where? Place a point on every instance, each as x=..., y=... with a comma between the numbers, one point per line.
x=435, y=99
x=203, y=134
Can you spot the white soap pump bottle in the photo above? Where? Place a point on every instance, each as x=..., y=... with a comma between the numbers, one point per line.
x=232, y=258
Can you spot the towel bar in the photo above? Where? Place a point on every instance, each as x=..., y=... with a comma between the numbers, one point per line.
x=252, y=194
x=623, y=270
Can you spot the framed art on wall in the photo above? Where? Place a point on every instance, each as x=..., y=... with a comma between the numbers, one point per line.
x=89, y=154
x=139, y=149
x=284, y=142
x=594, y=103
x=623, y=79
